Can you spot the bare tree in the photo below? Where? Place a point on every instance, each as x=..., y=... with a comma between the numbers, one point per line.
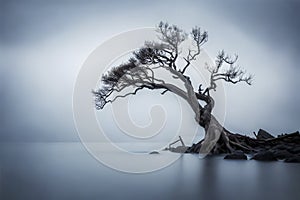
x=140, y=73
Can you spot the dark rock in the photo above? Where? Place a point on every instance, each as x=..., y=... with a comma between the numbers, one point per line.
x=282, y=154
x=238, y=155
x=264, y=156
x=295, y=150
x=293, y=134
x=281, y=147
x=263, y=135
x=293, y=159
x=269, y=148
x=154, y=152
x=290, y=149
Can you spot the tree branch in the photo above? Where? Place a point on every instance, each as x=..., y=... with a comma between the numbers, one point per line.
x=234, y=74
x=199, y=38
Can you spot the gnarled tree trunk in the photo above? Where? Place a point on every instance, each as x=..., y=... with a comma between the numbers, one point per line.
x=217, y=138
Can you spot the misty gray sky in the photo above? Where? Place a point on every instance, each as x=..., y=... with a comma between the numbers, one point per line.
x=44, y=43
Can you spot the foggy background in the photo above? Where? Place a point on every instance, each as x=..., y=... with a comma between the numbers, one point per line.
x=44, y=43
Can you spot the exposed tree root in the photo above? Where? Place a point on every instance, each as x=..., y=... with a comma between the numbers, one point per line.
x=284, y=147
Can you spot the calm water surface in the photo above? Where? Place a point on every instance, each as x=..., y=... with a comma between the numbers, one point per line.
x=67, y=171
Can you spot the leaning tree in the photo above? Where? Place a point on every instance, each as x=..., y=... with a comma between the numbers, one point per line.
x=139, y=72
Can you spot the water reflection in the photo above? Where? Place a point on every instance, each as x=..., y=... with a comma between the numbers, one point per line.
x=67, y=171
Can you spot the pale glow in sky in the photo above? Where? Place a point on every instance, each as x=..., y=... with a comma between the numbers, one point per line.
x=44, y=44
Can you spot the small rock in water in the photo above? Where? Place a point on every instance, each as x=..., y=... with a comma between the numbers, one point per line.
x=264, y=156
x=294, y=159
x=282, y=154
x=154, y=152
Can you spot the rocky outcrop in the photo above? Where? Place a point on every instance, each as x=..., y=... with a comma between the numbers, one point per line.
x=264, y=147
x=263, y=135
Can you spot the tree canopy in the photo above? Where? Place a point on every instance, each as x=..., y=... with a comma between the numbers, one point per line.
x=139, y=72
